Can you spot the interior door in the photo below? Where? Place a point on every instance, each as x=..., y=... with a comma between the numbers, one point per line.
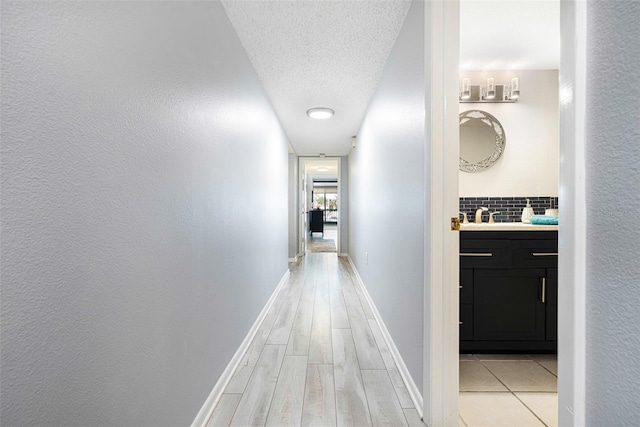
x=303, y=210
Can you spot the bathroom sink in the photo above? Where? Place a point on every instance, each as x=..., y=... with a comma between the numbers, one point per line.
x=506, y=226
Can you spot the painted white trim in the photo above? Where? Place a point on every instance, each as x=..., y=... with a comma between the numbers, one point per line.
x=441, y=276
x=572, y=235
x=294, y=259
x=412, y=388
x=210, y=404
x=344, y=255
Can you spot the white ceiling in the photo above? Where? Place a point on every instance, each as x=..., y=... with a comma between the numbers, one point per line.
x=312, y=53
x=509, y=34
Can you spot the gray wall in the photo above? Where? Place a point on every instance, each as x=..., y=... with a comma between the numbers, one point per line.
x=613, y=239
x=144, y=219
x=387, y=193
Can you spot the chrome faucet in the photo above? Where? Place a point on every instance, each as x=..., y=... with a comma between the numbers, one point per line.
x=479, y=214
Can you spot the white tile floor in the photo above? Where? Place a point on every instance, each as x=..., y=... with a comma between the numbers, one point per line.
x=508, y=390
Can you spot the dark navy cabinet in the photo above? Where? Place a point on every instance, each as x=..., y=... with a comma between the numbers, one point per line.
x=508, y=291
x=316, y=221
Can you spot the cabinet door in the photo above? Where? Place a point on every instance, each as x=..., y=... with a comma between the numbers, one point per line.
x=508, y=305
x=466, y=322
x=552, y=304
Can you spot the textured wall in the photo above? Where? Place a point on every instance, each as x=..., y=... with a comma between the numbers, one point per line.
x=613, y=239
x=529, y=164
x=386, y=193
x=144, y=221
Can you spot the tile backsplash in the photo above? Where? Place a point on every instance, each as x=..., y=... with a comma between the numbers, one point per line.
x=510, y=208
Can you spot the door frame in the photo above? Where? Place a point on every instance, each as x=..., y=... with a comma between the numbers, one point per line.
x=440, y=344
x=302, y=170
x=572, y=203
x=441, y=330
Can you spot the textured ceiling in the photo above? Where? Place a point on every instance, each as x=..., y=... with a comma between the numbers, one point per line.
x=318, y=54
x=331, y=53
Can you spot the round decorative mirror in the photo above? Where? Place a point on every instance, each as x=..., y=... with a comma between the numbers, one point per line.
x=482, y=140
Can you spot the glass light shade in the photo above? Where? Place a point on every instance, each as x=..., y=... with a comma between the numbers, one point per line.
x=466, y=89
x=515, y=88
x=320, y=113
x=491, y=88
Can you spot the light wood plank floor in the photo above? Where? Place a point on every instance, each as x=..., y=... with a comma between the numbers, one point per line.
x=318, y=359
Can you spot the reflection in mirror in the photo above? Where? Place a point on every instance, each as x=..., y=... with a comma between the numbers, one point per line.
x=482, y=140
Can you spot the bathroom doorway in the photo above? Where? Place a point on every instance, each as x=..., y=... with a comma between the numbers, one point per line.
x=505, y=375
x=441, y=339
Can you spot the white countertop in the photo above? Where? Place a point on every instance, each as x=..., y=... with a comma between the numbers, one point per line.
x=507, y=226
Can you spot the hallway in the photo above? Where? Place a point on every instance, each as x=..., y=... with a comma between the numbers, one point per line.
x=319, y=358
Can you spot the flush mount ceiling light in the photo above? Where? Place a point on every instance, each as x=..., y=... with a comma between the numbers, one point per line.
x=322, y=169
x=320, y=113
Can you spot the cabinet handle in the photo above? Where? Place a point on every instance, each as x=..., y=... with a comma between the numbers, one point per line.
x=461, y=323
x=460, y=286
x=544, y=253
x=476, y=254
x=544, y=289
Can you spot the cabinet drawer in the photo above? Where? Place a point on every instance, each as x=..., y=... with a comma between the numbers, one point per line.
x=466, y=322
x=535, y=253
x=466, y=286
x=485, y=254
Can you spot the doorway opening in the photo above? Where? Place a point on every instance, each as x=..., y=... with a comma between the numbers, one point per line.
x=508, y=307
x=320, y=205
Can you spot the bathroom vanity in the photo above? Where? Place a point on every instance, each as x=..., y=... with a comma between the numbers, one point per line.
x=508, y=288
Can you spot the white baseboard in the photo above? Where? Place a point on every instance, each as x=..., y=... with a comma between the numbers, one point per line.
x=209, y=405
x=294, y=259
x=413, y=390
x=344, y=255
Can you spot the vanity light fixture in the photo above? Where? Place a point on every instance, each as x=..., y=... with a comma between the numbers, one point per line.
x=491, y=92
x=320, y=113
